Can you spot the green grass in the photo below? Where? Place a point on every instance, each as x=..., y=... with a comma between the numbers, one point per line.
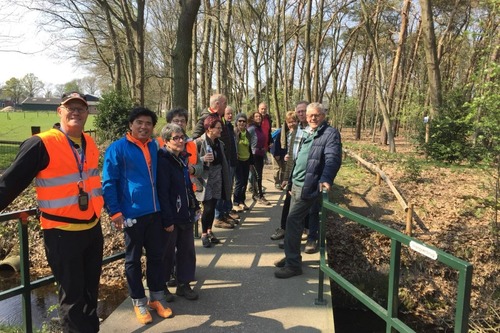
x=16, y=126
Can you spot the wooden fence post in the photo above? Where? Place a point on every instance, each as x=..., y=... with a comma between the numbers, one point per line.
x=409, y=215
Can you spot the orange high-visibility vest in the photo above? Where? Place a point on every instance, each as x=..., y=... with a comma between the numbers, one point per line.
x=57, y=186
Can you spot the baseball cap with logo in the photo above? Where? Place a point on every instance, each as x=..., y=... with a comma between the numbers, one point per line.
x=66, y=97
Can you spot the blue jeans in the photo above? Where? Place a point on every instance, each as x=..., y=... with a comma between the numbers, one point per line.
x=147, y=233
x=223, y=207
x=299, y=209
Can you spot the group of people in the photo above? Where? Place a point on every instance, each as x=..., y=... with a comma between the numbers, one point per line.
x=153, y=189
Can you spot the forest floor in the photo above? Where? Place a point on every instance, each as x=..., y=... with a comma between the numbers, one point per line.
x=454, y=211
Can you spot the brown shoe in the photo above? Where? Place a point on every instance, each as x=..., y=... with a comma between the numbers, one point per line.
x=220, y=223
x=232, y=214
x=263, y=201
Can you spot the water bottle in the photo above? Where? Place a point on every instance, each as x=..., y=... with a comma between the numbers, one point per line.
x=209, y=150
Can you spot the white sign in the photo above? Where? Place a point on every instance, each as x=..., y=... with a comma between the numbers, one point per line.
x=424, y=250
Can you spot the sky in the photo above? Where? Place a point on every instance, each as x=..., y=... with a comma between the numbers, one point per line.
x=24, y=49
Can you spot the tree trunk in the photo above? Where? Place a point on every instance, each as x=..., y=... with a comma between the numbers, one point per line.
x=183, y=51
x=307, y=52
x=431, y=57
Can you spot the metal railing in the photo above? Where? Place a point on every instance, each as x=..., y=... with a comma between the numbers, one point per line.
x=26, y=286
x=390, y=314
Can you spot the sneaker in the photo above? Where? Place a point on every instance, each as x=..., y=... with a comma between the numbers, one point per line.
x=237, y=208
x=244, y=206
x=287, y=272
x=185, y=291
x=223, y=223
x=311, y=246
x=206, y=241
x=212, y=238
x=263, y=201
x=169, y=297
x=161, y=308
x=280, y=263
x=278, y=234
x=142, y=314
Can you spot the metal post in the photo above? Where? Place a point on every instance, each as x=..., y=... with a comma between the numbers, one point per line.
x=25, y=274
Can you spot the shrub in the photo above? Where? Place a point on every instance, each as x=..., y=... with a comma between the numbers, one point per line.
x=111, y=122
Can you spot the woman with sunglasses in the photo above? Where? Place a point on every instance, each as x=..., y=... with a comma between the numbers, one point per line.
x=243, y=164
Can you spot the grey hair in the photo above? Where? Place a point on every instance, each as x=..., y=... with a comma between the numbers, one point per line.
x=216, y=98
x=316, y=106
x=168, y=130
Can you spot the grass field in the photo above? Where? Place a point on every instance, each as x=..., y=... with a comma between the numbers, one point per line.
x=16, y=126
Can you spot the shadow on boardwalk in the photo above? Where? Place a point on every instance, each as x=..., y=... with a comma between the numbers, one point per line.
x=237, y=287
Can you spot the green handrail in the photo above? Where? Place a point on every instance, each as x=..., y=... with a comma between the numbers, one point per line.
x=26, y=285
x=390, y=314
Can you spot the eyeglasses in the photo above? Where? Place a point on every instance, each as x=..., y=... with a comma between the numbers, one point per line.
x=177, y=138
x=179, y=121
x=72, y=110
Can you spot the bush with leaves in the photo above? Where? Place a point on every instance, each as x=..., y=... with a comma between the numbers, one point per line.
x=111, y=122
x=450, y=132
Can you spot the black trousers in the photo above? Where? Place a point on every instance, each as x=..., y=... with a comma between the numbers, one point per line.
x=75, y=258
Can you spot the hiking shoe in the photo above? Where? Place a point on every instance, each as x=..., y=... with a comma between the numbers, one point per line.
x=280, y=263
x=232, y=220
x=263, y=201
x=223, y=223
x=185, y=291
x=232, y=214
x=311, y=246
x=161, y=308
x=169, y=297
x=142, y=314
x=287, y=272
x=212, y=238
x=206, y=241
x=237, y=208
x=173, y=281
x=278, y=234
x=244, y=206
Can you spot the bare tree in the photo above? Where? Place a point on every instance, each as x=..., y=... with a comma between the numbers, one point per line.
x=183, y=51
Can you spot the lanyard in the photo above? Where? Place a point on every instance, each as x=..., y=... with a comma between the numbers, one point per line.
x=80, y=162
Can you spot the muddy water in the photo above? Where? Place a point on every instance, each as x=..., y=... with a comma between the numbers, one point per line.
x=42, y=299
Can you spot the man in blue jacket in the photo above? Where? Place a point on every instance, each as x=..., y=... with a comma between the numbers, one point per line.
x=318, y=161
x=129, y=190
